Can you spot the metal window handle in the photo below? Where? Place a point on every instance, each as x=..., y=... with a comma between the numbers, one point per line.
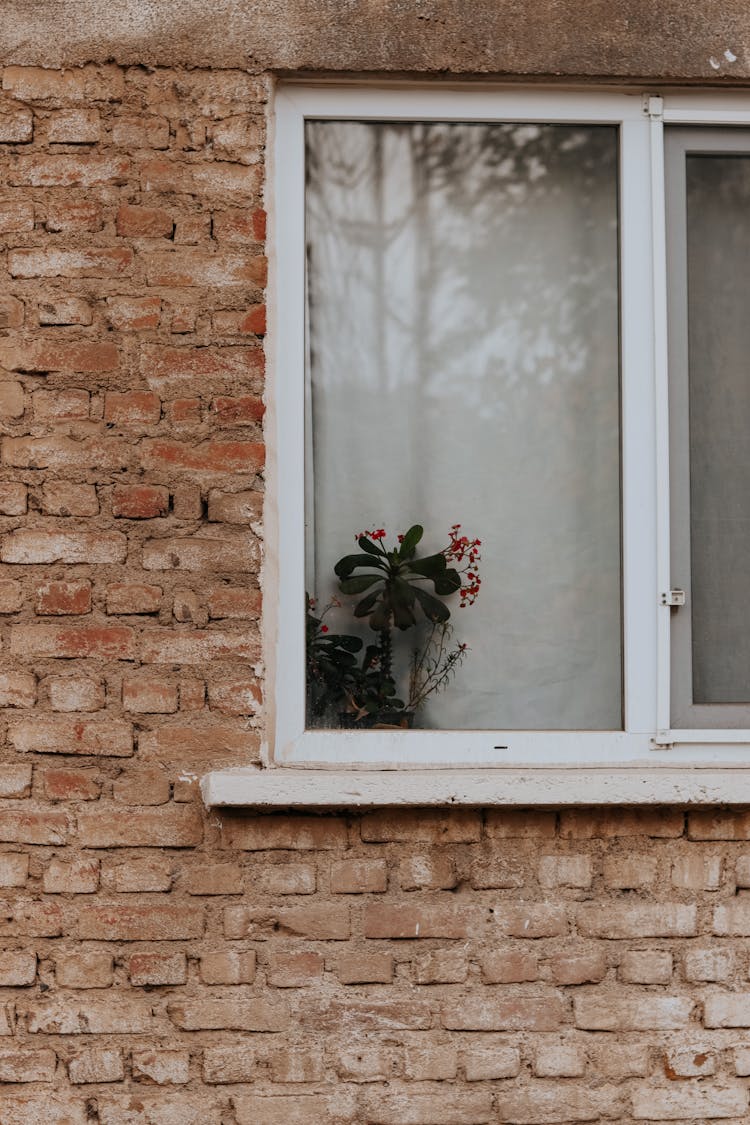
x=673, y=597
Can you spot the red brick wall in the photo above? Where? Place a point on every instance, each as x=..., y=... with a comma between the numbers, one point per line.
x=160, y=965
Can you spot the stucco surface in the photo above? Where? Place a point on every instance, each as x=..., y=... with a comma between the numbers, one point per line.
x=673, y=40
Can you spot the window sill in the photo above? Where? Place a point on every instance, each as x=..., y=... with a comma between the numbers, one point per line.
x=289, y=787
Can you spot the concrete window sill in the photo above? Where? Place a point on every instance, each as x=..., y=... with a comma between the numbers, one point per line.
x=284, y=787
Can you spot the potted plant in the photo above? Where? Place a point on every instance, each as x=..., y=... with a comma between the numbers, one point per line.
x=393, y=582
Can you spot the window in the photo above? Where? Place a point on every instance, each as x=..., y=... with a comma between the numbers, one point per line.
x=522, y=312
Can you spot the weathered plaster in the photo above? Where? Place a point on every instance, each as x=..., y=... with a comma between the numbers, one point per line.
x=639, y=39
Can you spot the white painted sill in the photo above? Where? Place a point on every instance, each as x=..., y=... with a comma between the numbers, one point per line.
x=289, y=787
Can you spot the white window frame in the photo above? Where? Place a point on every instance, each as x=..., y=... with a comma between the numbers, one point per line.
x=651, y=761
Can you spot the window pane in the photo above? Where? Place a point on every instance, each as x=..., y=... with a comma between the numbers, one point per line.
x=464, y=369
x=718, y=261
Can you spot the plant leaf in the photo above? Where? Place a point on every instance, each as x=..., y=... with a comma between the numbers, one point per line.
x=359, y=583
x=364, y=607
x=429, y=567
x=345, y=566
x=448, y=583
x=367, y=545
x=410, y=540
x=434, y=609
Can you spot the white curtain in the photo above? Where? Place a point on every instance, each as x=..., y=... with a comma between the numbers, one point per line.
x=464, y=368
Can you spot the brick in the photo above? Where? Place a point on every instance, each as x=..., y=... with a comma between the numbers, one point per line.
x=287, y=879
x=74, y=126
x=530, y=920
x=90, y=1016
x=242, y=604
x=16, y=214
x=421, y=826
x=427, y=872
x=181, y=370
x=353, y=1018
x=74, y=216
x=33, y=826
x=65, y=310
x=298, y=1065
x=695, y=1063
x=646, y=966
x=149, y=696
x=434, y=1063
x=112, y=642
x=697, y=873
x=140, y=923
x=579, y=824
x=79, y=876
x=298, y=1109
x=69, y=784
x=234, y=697
x=17, y=968
x=16, y=125
x=25, y=918
x=727, y=1009
x=630, y=872
x=229, y=1015
x=116, y=262
x=660, y=919
x=200, y=553
x=97, y=1064
x=133, y=598
x=505, y=824
x=742, y=871
x=138, y=502
x=578, y=968
x=490, y=1062
x=742, y=1062
x=215, y=180
x=207, y=743
x=317, y=922
x=150, y=969
x=42, y=356
x=163, y=646
x=294, y=970
x=169, y=827
x=141, y=132
x=143, y=222
x=27, y=1066
x=565, y=871
x=240, y=226
x=12, y=310
x=32, y=546
x=264, y=833
x=559, y=1061
x=161, y=1109
x=657, y=1103
x=13, y=500
x=241, y=322
x=68, y=171
x=231, y=967
x=14, y=869
x=75, y=693
x=358, y=876
x=444, y=1107
x=17, y=689
x=247, y=410
x=59, y=598
x=208, y=457
x=364, y=968
x=15, y=779
x=192, y=695
x=509, y=967
x=31, y=1109
x=11, y=596
x=631, y=1012
x=372, y=1063
x=48, y=735
x=160, y=1067
x=84, y=968
x=132, y=408
x=421, y=921
x=79, y=84
x=61, y=498
x=152, y=874
x=441, y=966
x=482, y=1011
x=134, y=314
x=549, y=1103
x=183, y=319
x=732, y=918
x=235, y=507
x=186, y=502
x=228, y=1064
x=60, y=406
x=12, y=399
x=707, y=964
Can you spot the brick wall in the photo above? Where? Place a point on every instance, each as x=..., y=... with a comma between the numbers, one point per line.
x=164, y=966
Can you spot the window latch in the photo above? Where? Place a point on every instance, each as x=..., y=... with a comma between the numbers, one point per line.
x=673, y=597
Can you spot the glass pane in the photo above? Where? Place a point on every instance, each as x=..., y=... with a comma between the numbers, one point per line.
x=464, y=369
x=718, y=255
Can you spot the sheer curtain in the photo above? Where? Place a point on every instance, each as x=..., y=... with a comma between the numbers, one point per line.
x=464, y=368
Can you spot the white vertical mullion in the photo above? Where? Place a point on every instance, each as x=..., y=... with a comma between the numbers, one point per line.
x=639, y=469
x=289, y=680
x=661, y=404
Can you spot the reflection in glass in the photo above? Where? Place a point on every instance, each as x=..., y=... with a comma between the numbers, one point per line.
x=464, y=368
x=718, y=239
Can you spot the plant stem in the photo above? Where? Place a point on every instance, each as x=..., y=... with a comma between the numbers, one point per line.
x=386, y=652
